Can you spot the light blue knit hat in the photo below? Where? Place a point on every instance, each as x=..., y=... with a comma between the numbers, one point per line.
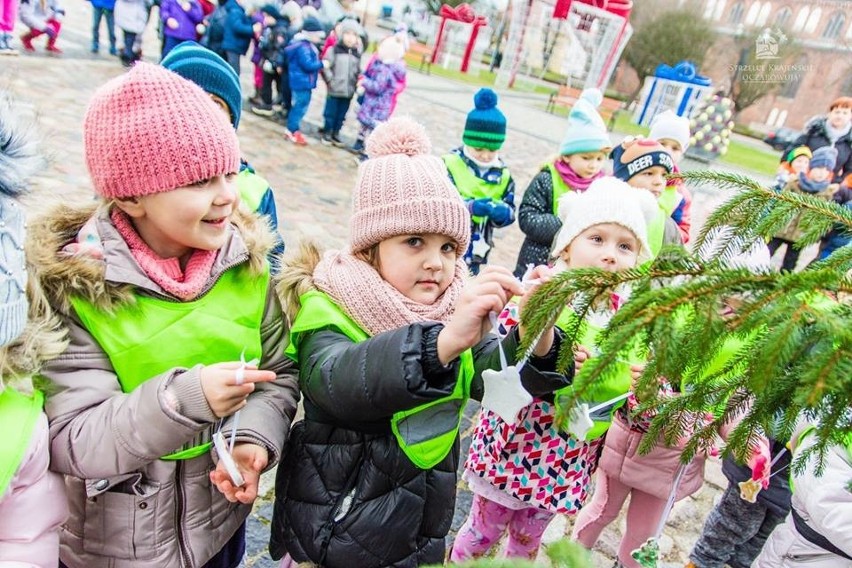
x=586, y=129
x=18, y=160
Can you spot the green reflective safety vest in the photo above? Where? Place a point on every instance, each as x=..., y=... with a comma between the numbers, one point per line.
x=560, y=188
x=656, y=232
x=152, y=335
x=18, y=416
x=425, y=434
x=669, y=199
x=618, y=384
x=252, y=188
x=472, y=187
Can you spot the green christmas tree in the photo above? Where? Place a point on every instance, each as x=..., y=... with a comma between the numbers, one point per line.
x=711, y=127
x=798, y=360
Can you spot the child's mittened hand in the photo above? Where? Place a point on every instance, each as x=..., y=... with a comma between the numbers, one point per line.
x=759, y=461
x=172, y=23
x=481, y=207
x=500, y=213
x=486, y=293
x=220, y=388
x=251, y=459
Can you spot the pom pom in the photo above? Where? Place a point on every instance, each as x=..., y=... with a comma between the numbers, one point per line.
x=485, y=99
x=398, y=136
x=593, y=96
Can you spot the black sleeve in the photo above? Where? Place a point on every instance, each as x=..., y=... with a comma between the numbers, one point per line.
x=535, y=215
x=373, y=379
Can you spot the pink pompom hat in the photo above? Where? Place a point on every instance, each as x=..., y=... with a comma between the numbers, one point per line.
x=402, y=190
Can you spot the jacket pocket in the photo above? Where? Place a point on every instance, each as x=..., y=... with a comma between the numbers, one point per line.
x=121, y=520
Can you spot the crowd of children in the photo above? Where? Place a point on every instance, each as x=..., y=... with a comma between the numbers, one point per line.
x=175, y=339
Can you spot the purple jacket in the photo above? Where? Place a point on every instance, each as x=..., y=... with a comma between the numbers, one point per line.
x=187, y=20
x=382, y=83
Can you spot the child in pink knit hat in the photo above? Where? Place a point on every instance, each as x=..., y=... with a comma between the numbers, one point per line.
x=165, y=292
x=392, y=338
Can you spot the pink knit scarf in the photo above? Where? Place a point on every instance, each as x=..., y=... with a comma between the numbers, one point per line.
x=376, y=306
x=166, y=272
x=570, y=177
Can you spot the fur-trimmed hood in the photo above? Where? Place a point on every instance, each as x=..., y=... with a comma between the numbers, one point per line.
x=109, y=282
x=297, y=276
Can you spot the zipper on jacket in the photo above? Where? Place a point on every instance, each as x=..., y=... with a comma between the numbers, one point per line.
x=185, y=554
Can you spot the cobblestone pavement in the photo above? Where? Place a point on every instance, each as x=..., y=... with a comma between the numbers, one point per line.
x=313, y=193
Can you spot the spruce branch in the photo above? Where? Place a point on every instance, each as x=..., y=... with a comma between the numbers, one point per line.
x=783, y=353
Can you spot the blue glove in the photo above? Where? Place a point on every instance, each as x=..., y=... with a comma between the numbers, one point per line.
x=481, y=207
x=500, y=214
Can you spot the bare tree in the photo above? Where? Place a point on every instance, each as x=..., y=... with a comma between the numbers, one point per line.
x=762, y=70
x=668, y=37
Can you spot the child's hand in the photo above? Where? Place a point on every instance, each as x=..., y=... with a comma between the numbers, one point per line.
x=486, y=293
x=759, y=461
x=251, y=459
x=257, y=27
x=635, y=373
x=581, y=355
x=172, y=23
x=186, y=6
x=539, y=274
x=223, y=394
x=326, y=64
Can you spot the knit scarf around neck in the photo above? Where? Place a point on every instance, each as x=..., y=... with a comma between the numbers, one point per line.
x=166, y=272
x=807, y=185
x=376, y=306
x=835, y=134
x=570, y=177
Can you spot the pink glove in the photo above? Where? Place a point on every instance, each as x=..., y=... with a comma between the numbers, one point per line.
x=759, y=461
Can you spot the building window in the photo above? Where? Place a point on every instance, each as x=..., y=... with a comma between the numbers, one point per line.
x=736, y=15
x=791, y=87
x=720, y=9
x=751, y=16
x=764, y=14
x=801, y=18
x=813, y=20
x=782, y=18
x=835, y=25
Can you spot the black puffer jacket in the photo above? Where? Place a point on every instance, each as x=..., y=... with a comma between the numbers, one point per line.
x=815, y=136
x=346, y=495
x=537, y=221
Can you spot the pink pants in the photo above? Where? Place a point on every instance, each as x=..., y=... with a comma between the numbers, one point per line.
x=258, y=77
x=487, y=523
x=8, y=15
x=643, y=516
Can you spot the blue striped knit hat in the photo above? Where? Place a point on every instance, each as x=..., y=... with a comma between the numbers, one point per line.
x=210, y=72
x=485, y=126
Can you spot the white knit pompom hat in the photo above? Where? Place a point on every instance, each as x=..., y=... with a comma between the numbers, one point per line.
x=607, y=200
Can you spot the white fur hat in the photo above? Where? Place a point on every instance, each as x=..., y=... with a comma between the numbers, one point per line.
x=607, y=200
x=669, y=125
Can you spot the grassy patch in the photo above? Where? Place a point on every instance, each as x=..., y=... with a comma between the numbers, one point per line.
x=749, y=158
x=475, y=77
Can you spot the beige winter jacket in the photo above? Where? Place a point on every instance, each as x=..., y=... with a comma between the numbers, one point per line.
x=127, y=507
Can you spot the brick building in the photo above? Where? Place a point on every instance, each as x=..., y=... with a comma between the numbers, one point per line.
x=821, y=73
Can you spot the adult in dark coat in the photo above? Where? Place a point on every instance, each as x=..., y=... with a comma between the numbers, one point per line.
x=833, y=129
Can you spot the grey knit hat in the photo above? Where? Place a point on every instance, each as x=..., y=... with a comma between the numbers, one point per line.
x=18, y=161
